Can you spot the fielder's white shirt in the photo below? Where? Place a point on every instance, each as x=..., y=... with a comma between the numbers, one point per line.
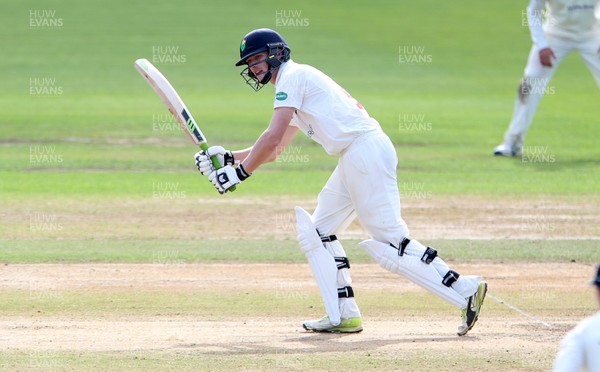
x=325, y=112
x=575, y=20
x=580, y=347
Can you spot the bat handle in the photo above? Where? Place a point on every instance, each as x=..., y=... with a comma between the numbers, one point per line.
x=215, y=161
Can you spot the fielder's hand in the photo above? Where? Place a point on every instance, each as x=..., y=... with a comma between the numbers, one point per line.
x=546, y=57
x=225, y=178
x=204, y=163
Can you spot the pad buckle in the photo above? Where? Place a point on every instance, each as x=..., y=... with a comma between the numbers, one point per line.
x=327, y=239
x=429, y=255
x=403, y=244
x=342, y=262
x=345, y=292
x=450, y=277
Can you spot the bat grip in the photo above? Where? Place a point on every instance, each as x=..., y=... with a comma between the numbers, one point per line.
x=215, y=161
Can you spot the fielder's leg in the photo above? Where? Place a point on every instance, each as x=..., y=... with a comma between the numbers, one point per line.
x=590, y=52
x=532, y=88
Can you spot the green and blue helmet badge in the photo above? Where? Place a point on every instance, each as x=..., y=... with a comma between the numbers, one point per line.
x=243, y=45
x=281, y=96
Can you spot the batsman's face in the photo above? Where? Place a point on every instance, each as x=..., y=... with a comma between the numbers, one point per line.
x=257, y=64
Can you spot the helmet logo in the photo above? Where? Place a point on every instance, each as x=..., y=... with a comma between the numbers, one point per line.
x=243, y=45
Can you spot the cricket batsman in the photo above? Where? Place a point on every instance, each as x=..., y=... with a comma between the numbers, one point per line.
x=363, y=185
x=569, y=25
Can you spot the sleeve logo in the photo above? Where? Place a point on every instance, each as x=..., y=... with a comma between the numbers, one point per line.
x=281, y=96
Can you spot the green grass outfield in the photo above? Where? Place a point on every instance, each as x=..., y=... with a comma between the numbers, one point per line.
x=286, y=251
x=107, y=132
x=80, y=130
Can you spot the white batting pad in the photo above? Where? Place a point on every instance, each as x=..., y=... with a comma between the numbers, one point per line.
x=348, y=306
x=414, y=269
x=466, y=285
x=321, y=263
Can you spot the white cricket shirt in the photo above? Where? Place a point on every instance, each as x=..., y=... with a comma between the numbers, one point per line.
x=576, y=20
x=580, y=347
x=325, y=112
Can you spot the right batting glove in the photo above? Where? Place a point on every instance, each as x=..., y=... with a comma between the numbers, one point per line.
x=204, y=163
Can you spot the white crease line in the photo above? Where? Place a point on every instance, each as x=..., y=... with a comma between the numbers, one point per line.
x=547, y=325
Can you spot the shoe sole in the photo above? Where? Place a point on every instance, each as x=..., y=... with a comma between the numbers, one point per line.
x=333, y=330
x=478, y=300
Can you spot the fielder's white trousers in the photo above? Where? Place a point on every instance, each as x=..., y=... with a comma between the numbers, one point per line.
x=538, y=77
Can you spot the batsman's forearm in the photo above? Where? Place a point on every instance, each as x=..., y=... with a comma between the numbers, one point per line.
x=241, y=155
x=263, y=151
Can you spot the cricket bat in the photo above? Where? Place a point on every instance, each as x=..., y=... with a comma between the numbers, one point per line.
x=175, y=104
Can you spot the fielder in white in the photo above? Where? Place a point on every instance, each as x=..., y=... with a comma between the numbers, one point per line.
x=363, y=185
x=581, y=346
x=569, y=25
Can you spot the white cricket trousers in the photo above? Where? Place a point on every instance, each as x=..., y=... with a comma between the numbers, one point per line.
x=537, y=78
x=363, y=185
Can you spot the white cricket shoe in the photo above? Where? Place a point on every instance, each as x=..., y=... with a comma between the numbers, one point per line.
x=470, y=314
x=349, y=325
x=508, y=150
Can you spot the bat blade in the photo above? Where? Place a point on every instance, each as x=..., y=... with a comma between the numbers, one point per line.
x=174, y=103
x=171, y=99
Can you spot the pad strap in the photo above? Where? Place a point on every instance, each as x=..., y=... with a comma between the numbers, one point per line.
x=450, y=277
x=328, y=239
x=403, y=244
x=429, y=255
x=345, y=292
x=342, y=262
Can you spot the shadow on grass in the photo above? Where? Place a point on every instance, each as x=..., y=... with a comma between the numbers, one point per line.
x=554, y=164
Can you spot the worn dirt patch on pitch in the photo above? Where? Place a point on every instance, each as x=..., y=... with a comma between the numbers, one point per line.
x=499, y=331
x=273, y=218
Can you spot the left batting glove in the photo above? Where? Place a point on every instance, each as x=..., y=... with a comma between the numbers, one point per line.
x=204, y=162
x=225, y=178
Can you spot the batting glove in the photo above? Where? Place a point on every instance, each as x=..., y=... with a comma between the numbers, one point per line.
x=204, y=163
x=225, y=178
